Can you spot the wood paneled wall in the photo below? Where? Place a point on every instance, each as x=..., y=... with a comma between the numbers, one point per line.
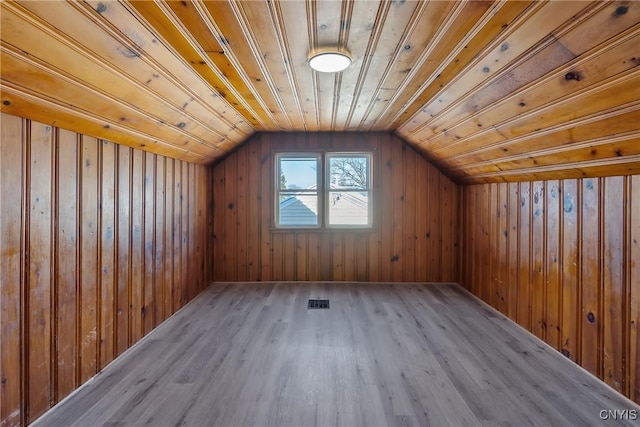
x=99, y=243
x=562, y=258
x=415, y=214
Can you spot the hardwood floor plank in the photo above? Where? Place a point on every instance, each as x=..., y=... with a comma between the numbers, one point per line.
x=383, y=354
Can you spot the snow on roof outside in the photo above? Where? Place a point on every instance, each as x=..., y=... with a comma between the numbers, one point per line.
x=346, y=208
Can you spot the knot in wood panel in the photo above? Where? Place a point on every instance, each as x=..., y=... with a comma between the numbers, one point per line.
x=573, y=75
x=620, y=10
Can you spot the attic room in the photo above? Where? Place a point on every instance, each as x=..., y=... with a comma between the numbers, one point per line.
x=199, y=228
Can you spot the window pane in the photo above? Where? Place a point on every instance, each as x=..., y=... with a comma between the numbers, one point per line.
x=298, y=172
x=298, y=191
x=298, y=209
x=349, y=172
x=348, y=208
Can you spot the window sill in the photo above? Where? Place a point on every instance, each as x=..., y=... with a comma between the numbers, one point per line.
x=322, y=230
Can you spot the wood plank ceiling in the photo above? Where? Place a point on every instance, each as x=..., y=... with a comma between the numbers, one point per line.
x=488, y=90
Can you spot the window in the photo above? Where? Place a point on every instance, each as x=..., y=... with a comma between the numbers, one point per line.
x=323, y=190
x=348, y=190
x=297, y=198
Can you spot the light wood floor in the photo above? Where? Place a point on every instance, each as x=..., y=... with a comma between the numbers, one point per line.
x=401, y=354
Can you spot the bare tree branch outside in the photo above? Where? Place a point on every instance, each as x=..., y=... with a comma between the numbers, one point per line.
x=349, y=172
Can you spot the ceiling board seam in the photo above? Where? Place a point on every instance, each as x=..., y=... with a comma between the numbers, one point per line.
x=486, y=17
x=92, y=56
x=346, y=13
x=283, y=43
x=408, y=32
x=215, y=30
x=312, y=24
x=61, y=75
x=589, y=143
x=116, y=33
x=337, y=86
x=383, y=11
x=37, y=98
x=588, y=11
x=250, y=38
x=547, y=78
x=582, y=121
x=549, y=40
x=588, y=90
x=585, y=13
x=178, y=24
x=579, y=19
x=440, y=33
x=577, y=61
x=497, y=41
x=577, y=166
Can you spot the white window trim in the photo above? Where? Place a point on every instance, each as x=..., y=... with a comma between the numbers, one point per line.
x=327, y=190
x=278, y=191
x=324, y=189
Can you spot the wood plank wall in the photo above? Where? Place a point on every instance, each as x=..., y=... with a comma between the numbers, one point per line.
x=99, y=243
x=562, y=258
x=415, y=211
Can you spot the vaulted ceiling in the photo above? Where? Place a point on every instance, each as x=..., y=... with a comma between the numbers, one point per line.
x=488, y=90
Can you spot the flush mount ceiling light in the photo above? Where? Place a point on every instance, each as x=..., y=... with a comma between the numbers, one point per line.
x=329, y=61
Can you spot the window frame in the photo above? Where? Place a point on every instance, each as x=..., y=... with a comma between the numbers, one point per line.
x=278, y=191
x=323, y=189
x=326, y=193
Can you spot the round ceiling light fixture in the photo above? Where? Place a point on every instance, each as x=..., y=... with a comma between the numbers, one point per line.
x=329, y=61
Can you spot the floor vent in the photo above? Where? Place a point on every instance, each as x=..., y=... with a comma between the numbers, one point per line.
x=318, y=303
